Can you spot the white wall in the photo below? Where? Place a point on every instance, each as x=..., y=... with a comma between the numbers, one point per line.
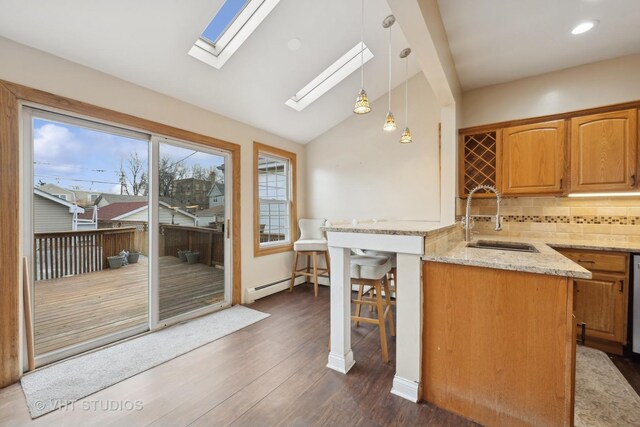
x=30, y=67
x=593, y=85
x=422, y=25
x=356, y=170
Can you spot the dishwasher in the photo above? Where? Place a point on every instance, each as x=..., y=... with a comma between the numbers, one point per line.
x=635, y=316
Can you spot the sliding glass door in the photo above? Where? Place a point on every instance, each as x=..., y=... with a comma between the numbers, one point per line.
x=124, y=231
x=86, y=216
x=193, y=247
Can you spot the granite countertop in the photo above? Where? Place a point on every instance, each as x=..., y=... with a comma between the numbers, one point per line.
x=399, y=228
x=545, y=261
x=593, y=245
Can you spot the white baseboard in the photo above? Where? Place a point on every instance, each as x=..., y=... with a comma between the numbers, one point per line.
x=253, y=294
x=404, y=388
x=339, y=363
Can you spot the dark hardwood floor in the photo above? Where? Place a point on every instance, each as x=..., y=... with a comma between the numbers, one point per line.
x=270, y=373
x=630, y=368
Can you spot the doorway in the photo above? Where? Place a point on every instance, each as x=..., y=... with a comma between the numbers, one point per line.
x=124, y=231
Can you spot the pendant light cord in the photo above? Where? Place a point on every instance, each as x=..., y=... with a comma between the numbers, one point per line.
x=389, y=69
x=362, y=47
x=406, y=92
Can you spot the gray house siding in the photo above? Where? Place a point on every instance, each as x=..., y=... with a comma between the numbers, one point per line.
x=49, y=216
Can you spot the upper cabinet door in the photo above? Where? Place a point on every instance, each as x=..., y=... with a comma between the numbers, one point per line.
x=533, y=158
x=604, y=152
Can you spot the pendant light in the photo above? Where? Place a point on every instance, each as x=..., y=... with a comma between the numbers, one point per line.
x=390, y=122
x=362, y=102
x=406, y=133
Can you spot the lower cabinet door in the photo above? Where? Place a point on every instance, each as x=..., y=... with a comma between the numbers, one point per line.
x=599, y=303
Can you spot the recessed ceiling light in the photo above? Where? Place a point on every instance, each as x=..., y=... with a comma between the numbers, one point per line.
x=583, y=27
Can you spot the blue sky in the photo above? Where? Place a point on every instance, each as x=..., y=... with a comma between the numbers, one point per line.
x=76, y=157
x=223, y=18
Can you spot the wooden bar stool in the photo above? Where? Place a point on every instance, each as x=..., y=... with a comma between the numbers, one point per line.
x=312, y=244
x=392, y=276
x=372, y=271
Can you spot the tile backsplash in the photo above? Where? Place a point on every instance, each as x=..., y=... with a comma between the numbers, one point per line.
x=597, y=218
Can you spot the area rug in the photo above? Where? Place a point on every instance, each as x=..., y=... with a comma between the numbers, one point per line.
x=51, y=387
x=603, y=395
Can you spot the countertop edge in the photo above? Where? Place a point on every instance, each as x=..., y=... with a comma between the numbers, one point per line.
x=509, y=267
x=389, y=231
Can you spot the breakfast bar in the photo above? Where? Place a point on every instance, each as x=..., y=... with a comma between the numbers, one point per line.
x=407, y=240
x=460, y=306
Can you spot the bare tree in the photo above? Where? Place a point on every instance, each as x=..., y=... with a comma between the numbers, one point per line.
x=136, y=176
x=200, y=172
x=169, y=172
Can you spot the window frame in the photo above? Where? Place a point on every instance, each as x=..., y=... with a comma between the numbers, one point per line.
x=273, y=248
x=216, y=54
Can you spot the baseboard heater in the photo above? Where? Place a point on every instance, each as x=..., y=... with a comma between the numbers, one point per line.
x=267, y=289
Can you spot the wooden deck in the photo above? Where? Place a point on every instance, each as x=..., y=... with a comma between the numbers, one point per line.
x=75, y=309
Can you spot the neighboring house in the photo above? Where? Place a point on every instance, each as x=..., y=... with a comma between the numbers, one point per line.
x=105, y=199
x=119, y=213
x=192, y=192
x=209, y=215
x=51, y=213
x=79, y=197
x=216, y=195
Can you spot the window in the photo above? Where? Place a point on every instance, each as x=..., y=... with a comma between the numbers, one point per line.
x=229, y=28
x=61, y=196
x=275, y=223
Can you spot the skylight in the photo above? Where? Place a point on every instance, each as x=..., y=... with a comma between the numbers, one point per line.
x=225, y=16
x=229, y=28
x=334, y=74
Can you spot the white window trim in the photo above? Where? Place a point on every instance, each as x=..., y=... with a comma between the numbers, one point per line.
x=330, y=77
x=289, y=202
x=234, y=35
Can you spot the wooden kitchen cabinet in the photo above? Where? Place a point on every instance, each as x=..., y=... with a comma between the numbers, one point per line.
x=478, y=161
x=601, y=302
x=604, y=152
x=533, y=158
x=498, y=346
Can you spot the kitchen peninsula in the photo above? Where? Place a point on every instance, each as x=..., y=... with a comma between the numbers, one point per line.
x=486, y=333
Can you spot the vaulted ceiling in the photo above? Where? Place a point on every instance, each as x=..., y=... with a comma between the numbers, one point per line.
x=146, y=42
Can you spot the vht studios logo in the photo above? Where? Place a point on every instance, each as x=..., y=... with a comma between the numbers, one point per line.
x=92, y=405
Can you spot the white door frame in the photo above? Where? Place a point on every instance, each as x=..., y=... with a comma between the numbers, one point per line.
x=154, y=295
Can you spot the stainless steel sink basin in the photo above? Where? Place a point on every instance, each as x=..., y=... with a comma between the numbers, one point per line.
x=502, y=246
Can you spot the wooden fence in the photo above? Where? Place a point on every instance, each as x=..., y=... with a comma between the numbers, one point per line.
x=67, y=253
x=209, y=243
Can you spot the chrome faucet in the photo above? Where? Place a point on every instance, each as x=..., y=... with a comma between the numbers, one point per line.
x=467, y=218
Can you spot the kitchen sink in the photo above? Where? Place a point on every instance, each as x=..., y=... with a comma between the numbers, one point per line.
x=502, y=246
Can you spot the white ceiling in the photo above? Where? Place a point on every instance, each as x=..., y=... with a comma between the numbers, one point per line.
x=146, y=42
x=495, y=41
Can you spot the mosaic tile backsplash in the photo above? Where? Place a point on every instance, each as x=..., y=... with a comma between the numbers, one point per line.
x=613, y=219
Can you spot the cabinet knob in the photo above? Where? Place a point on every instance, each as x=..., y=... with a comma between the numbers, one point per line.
x=633, y=180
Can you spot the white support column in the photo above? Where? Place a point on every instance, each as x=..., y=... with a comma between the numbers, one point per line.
x=406, y=382
x=340, y=356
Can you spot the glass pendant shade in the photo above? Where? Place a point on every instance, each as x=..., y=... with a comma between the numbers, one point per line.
x=390, y=123
x=362, y=103
x=406, y=136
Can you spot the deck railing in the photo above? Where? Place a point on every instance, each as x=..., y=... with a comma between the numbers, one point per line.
x=209, y=243
x=68, y=253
